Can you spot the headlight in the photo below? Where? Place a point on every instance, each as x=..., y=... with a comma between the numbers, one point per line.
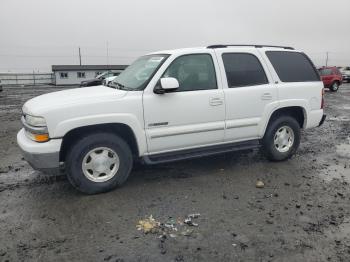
x=36, y=128
x=36, y=121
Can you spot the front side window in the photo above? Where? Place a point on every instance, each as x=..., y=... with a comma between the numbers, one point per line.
x=193, y=72
x=243, y=69
x=293, y=66
x=139, y=73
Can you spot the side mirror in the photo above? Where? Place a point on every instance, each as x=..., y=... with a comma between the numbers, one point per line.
x=167, y=84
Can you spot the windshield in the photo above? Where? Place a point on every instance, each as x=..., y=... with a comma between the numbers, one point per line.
x=138, y=74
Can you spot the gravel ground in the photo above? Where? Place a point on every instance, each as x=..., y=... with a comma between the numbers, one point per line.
x=301, y=214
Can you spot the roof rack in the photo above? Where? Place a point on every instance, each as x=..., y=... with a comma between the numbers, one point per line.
x=256, y=46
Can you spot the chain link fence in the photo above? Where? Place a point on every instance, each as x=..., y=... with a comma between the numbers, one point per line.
x=26, y=79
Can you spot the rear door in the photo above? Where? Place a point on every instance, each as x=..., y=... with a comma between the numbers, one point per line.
x=249, y=92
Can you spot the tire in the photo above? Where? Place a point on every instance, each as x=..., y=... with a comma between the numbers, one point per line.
x=103, y=152
x=284, y=152
x=335, y=86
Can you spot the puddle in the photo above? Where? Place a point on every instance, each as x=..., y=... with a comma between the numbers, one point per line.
x=341, y=118
x=336, y=172
x=342, y=232
x=343, y=151
x=341, y=169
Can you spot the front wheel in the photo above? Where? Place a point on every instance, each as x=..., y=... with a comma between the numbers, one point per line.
x=335, y=86
x=281, y=139
x=99, y=163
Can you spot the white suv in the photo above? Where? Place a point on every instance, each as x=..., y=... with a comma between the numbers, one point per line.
x=174, y=105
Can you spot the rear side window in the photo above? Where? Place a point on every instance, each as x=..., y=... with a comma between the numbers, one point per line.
x=243, y=70
x=293, y=66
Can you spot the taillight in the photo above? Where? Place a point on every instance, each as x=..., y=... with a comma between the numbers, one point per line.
x=322, y=99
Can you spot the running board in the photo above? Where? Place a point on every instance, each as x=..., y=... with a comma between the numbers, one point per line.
x=200, y=152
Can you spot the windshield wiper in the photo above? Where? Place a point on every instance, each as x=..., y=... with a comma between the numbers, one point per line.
x=119, y=86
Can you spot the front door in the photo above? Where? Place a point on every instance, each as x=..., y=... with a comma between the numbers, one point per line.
x=191, y=116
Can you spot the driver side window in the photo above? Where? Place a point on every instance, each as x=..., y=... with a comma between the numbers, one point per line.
x=193, y=72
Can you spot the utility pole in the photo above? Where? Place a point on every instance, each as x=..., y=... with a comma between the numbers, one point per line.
x=79, y=56
x=326, y=58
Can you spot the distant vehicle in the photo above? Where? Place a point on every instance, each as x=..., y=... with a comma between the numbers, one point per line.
x=99, y=79
x=108, y=80
x=174, y=105
x=345, y=71
x=331, y=78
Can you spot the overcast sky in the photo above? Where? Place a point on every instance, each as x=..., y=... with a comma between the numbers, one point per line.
x=35, y=34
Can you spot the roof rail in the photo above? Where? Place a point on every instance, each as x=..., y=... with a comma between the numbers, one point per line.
x=256, y=46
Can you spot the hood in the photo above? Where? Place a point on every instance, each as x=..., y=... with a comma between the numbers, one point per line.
x=40, y=104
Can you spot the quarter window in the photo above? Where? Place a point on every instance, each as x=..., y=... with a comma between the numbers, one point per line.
x=63, y=75
x=81, y=74
x=293, y=66
x=194, y=72
x=243, y=70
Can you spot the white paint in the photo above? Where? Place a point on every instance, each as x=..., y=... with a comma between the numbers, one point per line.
x=180, y=120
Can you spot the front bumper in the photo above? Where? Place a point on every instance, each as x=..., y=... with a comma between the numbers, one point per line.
x=322, y=120
x=41, y=156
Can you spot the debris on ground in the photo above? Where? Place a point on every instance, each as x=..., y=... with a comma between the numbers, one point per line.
x=259, y=184
x=148, y=225
x=195, y=215
x=170, y=227
x=189, y=219
x=187, y=232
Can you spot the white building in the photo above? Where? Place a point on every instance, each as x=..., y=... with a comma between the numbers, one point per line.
x=74, y=74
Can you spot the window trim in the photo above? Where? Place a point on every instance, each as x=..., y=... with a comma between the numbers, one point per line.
x=178, y=91
x=245, y=53
x=303, y=54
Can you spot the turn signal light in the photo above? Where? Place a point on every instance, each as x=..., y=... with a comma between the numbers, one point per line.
x=40, y=137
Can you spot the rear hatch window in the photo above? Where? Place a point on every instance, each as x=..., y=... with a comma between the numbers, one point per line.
x=293, y=66
x=325, y=71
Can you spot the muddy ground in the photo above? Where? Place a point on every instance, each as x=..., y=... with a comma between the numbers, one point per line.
x=302, y=213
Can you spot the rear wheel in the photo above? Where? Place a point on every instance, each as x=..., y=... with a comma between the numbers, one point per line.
x=99, y=163
x=334, y=86
x=282, y=138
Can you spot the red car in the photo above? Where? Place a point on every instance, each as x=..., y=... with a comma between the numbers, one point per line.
x=331, y=77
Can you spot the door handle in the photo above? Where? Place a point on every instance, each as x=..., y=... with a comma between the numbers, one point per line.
x=266, y=96
x=216, y=101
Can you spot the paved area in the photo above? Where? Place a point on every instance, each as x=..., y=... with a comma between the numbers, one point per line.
x=301, y=214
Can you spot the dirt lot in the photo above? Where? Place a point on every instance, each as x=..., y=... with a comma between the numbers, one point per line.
x=302, y=213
